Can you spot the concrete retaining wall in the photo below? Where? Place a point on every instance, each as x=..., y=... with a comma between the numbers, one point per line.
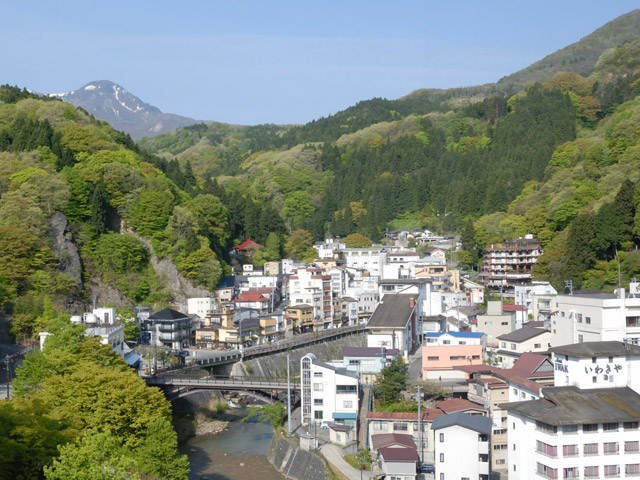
x=294, y=462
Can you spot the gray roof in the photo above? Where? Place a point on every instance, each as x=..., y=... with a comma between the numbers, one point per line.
x=168, y=314
x=573, y=406
x=596, y=349
x=339, y=371
x=478, y=423
x=393, y=310
x=470, y=310
x=522, y=334
x=404, y=281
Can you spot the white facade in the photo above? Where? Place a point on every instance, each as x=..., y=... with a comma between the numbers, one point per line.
x=525, y=296
x=541, y=451
x=105, y=314
x=262, y=281
x=329, y=394
x=596, y=318
x=201, y=306
x=461, y=453
x=369, y=259
x=612, y=370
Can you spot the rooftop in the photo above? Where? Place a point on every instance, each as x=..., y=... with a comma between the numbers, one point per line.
x=168, y=314
x=399, y=454
x=523, y=334
x=596, y=349
x=478, y=423
x=393, y=311
x=456, y=334
x=458, y=405
x=382, y=440
x=573, y=406
x=427, y=414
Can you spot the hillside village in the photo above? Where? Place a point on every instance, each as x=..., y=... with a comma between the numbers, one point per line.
x=518, y=378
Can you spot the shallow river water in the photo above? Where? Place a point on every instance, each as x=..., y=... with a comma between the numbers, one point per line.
x=237, y=454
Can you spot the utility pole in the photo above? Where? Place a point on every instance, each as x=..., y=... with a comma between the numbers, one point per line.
x=420, y=425
x=288, y=398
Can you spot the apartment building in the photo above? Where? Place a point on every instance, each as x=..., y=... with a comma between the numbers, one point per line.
x=594, y=316
x=508, y=265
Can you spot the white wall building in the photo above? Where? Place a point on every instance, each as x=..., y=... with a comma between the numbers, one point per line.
x=202, y=306
x=597, y=365
x=574, y=433
x=596, y=317
x=525, y=296
x=462, y=446
x=369, y=259
x=329, y=394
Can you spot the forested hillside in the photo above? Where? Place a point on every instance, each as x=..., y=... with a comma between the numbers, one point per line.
x=115, y=198
x=440, y=159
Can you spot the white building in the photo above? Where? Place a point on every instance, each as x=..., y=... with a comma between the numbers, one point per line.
x=527, y=295
x=394, y=324
x=400, y=265
x=597, y=365
x=202, y=306
x=462, y=446
x=526, y=339
x=329, y=394
x=596, y=317
x=586, y=426
x=575, y=433
x=369, y=259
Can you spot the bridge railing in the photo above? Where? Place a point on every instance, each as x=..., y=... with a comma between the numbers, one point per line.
x=213, y=381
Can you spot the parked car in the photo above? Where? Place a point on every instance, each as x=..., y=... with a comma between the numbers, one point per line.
x=426, y=468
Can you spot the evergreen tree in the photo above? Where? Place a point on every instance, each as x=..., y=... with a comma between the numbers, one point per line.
x=99, y=209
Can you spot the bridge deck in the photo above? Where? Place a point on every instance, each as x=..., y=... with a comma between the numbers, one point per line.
x=217, y=383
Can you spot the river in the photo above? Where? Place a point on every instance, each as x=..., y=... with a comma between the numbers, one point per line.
x=237, y=454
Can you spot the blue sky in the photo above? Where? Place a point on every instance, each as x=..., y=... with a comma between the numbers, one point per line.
x=250, y=62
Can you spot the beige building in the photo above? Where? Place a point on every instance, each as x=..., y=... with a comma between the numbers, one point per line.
x=495, y=323
x=298, y=319
x=527, y=339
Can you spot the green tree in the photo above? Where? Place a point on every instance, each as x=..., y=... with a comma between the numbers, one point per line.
x=275, y=415
x=357, y=240
x=392, y=380
x=300, y=245
x=202, y=267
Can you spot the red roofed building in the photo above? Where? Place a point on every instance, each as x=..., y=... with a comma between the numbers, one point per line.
x=397, y=455
x=390, y=425
x=246, y=248
x=254, y=301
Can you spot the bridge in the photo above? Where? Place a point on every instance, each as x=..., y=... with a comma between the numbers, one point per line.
x=206, y=358
x=186, y=385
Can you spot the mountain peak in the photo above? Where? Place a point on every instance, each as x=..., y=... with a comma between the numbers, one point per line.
x=111, y=102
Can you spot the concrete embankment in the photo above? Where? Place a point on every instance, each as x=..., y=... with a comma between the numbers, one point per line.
x=293, y=462
x=275, y=366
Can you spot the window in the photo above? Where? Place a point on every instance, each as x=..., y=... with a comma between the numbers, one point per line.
x=632, y=469
x=317, y=374
x=571, y=472
x=546, y=449
x=590, y=427
x=441, y=476
x=569, y=450
x=570, y=429
x=462, y=343
x=318, y=401
x=446, y=342
x=594, y=359
x=587, y=320
x=513, y=346
x=400, y=426
x=380, y=425
x=504, y=323
x=537, y=345
x=318, y=414
x=317, y=387
x=545, y=427
x=630, y=425
x=501, y=431
x=502, y=446
x=441, y=457
x=483, y=457
x=347, y=404
x=580, y=338
x=456, y=357
x=475, y=357
x=441, y=437
x=500, y=462
x=610, y=447
x=611, y=470
x=546, y=471
x=579, y=317
x=610, y=427
x=346, y=388
x=503, y=344
x=433, y=359
x=632, y=446
x=591, y=472
x=590, y=449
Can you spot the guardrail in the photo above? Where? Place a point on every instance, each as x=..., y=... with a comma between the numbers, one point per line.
x=219, y=383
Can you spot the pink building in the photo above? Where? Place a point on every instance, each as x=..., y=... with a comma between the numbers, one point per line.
x=438, y=361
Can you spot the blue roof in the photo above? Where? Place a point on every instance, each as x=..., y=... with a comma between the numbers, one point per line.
x=456, y=334
x=347, y=416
